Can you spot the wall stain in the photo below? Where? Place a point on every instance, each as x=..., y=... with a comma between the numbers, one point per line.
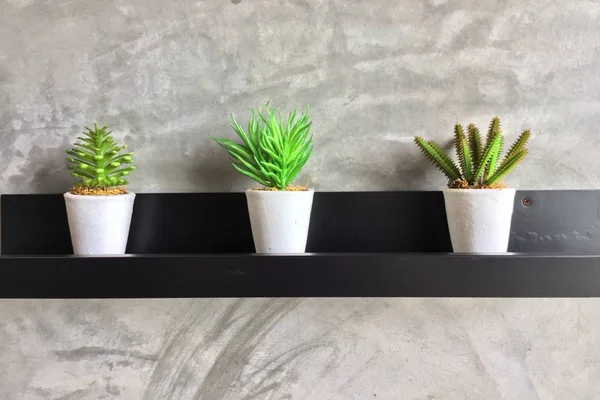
x=91, y=352
x=176, y=375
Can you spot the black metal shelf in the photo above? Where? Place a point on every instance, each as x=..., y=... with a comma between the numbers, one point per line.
x=307, y=275
x=197, y=245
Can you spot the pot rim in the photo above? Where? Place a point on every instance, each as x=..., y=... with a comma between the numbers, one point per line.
x=470, y=190
x=308, y=190
x=123, y=196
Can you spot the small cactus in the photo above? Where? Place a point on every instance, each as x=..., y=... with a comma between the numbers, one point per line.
x=479, y=166
x=96, y=160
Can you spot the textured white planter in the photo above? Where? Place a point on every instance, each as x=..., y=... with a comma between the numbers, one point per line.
x=99, y=224
x=279, y=220
x=479, y=220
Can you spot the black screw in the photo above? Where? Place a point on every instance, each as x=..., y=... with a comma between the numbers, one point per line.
x=526, y=201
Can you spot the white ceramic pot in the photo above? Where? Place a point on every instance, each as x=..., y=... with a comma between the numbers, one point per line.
x=279, y=220
x=99, y=224
x=479, y=220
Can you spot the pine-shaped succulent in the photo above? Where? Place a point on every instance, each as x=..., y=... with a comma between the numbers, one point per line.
x=273, y=150
x=480, y=165
x=98, y=162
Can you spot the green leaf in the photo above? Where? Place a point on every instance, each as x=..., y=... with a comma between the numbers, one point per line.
x=519, y=144
x=121, y=158
x=251, y=175
x=230, y=146
x=507, y=166
x=300, y=150
x=433, y=152
x=250, y=166
x=491, y=167
x=299, y=165
x=268, y=142
x=475, y=144
x=119, y=172
x=81, y=153
x=77, y=160
x=80, y=171
x=463, y=152
x=240, y=132
x=85, y=139
x=109, y=145
x=493, y=128
x=275, y=157
x=270, y=165
x=491, y=149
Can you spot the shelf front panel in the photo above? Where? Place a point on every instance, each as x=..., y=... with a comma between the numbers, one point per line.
x=309, y=275
x=341, y=222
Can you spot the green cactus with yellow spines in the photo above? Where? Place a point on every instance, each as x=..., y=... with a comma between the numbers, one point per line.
x=479, y=165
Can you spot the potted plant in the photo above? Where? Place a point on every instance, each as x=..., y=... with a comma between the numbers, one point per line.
x=478, y=205
x=98, y=206
x=272, y=152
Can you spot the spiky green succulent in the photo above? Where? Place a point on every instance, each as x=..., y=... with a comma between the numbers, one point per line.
x=97, y=160
x=272, y=151
x=479, y=165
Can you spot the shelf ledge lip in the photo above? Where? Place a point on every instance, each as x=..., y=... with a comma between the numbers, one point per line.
x=438, y=275
x=513, y=255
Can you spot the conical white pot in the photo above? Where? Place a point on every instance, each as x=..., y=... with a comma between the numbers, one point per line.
x=479, y=220
x=99, y=224
x=279, y=220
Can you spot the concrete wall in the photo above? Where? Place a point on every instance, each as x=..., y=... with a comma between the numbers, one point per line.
x=165, y=74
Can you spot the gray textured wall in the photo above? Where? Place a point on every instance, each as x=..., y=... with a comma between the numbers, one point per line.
x=165, y=75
